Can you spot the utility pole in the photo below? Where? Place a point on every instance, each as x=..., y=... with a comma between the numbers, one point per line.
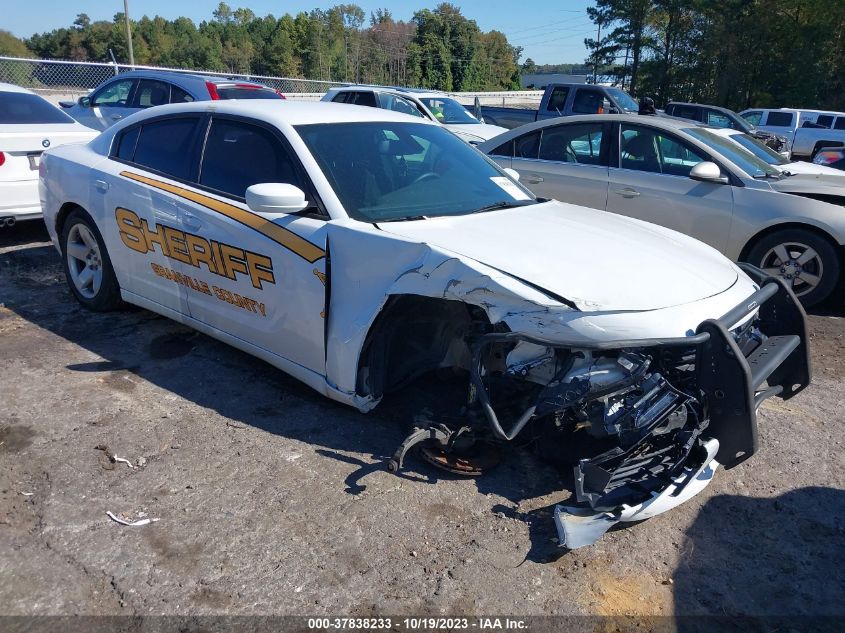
x=128, y=32
x=596, y=54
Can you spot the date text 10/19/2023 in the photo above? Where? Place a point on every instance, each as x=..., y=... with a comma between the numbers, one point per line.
x=418, y=624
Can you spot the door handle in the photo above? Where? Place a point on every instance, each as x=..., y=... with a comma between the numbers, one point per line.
x=533, y=180
x=190, y=220
x=116, y=117
x=101, y=185
x=627, y=192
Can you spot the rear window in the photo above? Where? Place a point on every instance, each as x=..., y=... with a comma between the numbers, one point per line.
x=165, y=146
x=24, y=108
x=780, y=119
x=240, y=92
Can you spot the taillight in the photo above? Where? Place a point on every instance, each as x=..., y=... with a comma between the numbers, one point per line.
x=822, y=158
x=281, y=96
x=212, y=91
x=2, y=158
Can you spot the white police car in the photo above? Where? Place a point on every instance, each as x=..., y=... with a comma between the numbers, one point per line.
x=357, y=249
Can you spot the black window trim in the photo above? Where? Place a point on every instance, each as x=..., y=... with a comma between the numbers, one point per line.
x=310, y=190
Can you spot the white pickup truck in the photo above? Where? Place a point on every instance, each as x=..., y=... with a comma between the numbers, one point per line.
x=808, y=131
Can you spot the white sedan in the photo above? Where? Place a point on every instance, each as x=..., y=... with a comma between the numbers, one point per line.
x=358, y=249
x=770, y=156
x=28, y=126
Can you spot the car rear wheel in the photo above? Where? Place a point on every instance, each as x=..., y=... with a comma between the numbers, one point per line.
x=807, y=262
x=87, y=265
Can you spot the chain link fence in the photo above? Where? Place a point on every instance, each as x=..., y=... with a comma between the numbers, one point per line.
x=65, y=80
x=69, y=80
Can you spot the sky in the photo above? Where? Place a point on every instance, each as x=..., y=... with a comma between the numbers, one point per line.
x=550, y=32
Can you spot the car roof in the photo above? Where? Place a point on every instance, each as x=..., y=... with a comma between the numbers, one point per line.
x=4, y=87
x=701, y=105
x=283, y=112
x=175, y=76
x=413, y=92
x=665, y=122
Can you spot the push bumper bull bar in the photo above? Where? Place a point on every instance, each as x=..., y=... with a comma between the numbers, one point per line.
x=731, y=381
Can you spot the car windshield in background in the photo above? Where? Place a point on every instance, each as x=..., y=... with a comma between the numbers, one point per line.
x=448, y=110
x=741, y=157
x=24, y=108
x=760, y=150
x=389, y=171
x=624, y=99
x=242, y=92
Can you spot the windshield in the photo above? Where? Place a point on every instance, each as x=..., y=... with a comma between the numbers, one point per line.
x=389, y=171
x=448, y=110
x=741, y=157
x=759, y=149
x=21, y=107
x=624, y=99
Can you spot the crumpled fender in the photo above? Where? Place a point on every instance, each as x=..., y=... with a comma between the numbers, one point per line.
x=360, y=290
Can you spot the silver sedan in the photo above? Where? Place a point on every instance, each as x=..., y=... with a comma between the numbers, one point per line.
x=684, y=176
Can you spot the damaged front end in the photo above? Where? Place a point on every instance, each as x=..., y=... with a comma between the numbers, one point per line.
x=643, y=423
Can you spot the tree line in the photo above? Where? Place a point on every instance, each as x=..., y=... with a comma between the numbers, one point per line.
x=735, y=53
x=438, y=48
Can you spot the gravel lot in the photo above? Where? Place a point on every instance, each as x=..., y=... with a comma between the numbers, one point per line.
x=274, y=500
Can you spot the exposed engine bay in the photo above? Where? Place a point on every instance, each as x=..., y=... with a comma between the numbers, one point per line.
x=634, y=421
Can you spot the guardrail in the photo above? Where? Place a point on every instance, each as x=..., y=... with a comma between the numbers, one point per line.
x=57, y=80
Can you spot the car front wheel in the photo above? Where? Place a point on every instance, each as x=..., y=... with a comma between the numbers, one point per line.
x=807, y=262
x=87, y=265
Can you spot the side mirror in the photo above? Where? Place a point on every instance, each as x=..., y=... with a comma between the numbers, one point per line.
x=708, y=172
x=85, y=102
x=273, y=200
x=512, y=173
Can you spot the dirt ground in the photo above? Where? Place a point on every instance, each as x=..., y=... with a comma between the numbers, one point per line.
x=274, y=500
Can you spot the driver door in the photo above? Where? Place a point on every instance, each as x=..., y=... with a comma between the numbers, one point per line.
x=109, y=104
x=652, y=183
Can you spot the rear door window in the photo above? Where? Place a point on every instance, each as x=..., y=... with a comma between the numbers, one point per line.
x=177, y=95
x=578, y=143
x=150, y=93
x=238, y=155
x=780, y=119
x=166, y=146
x=840, y=123
x=685, y=112
x=363, y=98
x=825, y=120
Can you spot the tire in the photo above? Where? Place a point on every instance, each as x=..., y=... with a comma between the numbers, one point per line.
x=87, y=265
x=811, y=268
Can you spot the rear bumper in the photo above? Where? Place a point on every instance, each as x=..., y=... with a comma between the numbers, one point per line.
x=19, y=198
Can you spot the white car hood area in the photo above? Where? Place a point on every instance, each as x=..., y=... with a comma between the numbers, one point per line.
x=596, y=260
x=481, y=130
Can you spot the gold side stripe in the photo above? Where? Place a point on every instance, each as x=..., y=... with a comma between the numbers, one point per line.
x=278, y=234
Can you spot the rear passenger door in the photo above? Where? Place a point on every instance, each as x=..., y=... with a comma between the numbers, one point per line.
x=144, y=233
x=263, y=281
x=569, y=163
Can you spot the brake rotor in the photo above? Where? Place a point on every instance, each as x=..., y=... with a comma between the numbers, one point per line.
x=471, y=462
